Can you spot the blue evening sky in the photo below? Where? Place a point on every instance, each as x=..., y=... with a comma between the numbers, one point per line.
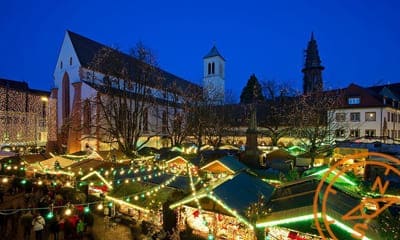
x=358, y=40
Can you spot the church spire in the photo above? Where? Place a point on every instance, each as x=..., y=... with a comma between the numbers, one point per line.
x=312, y=80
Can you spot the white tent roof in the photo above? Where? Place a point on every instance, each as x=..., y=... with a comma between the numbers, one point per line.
x=49, y=163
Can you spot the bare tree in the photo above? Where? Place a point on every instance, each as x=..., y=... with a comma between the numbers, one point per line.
x=278, y=108
x=126, y=86
x=177, y=109
x=315, y=118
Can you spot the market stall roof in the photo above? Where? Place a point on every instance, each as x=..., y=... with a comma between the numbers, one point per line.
x=4, y=154
x=49, y=163
x=226, y=163
x=234, y=193
x=180, y=182
x=279, y=154
x=89, y=165
x=178, y=160
x=294, y=203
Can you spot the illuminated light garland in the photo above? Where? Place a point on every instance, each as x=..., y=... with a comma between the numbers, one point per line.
x=309, y=217
x=344, y=178
x=231, y=211
x=128, y=204
x=98, y=175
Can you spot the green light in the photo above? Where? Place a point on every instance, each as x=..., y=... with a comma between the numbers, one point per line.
x=86, y=209
x=285, y=221
x=23, y=181
x=50, y=215
x=110, y=204
x=210, y=236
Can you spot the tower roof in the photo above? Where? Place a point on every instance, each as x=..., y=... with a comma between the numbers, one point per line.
x=213, y=53
x=312, y=59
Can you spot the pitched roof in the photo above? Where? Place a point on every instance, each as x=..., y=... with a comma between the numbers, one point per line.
x=86, y=50
x=213, y=53
x=235, y=193
x=230, y=162
x=20, y=86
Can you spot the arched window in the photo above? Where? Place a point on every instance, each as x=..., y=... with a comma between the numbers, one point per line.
x=209, y=68
x=65, y=97
x=213, y=68
x=87, y=116
x=70, y=61
x=61, y=65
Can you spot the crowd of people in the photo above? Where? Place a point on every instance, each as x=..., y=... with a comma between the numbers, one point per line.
x=41, y=212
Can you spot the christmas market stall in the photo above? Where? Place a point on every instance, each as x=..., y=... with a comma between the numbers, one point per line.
x=225, y=208
x=222, y=167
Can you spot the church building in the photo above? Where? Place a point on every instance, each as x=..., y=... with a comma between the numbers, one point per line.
x=77, y=83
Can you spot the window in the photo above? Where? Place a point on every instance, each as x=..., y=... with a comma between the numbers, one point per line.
x=370, y=116
x=355, y=117
x=209, y=68
x=388, y=116
x=70, y=61
x=394, y=117
x=353, y=100
x=370, y=132
x=61, y=65
x=340, y=117
x=355, y=133
x=213, y=68
x=339, y=133
x=394, y=134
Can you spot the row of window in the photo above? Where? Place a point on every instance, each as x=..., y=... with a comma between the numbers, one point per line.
x=70, y=63
x=369, y=117
x=355, y=117
x=355, y=133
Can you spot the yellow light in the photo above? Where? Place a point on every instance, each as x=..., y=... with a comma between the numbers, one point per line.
x=40, y=182
x=100, y=206
x=136, y=198
x=126, y=180
x=68, y=184
x=5, y=180
x=68, y=211
x=44, y=99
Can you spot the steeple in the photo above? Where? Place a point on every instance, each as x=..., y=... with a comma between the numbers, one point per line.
x=312, y=80
x=213, y=53
x=214, y=77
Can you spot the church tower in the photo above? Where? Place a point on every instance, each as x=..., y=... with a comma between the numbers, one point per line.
x=312, y=80
x=214, y=77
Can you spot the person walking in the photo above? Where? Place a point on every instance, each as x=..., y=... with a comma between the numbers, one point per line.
x=80, y=227
x=38, y=224
x=54, y=226
x=26, y=222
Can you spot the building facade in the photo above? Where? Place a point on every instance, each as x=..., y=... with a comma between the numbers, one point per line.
x=24, y=114
x=368, y=113
x=78, y=84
